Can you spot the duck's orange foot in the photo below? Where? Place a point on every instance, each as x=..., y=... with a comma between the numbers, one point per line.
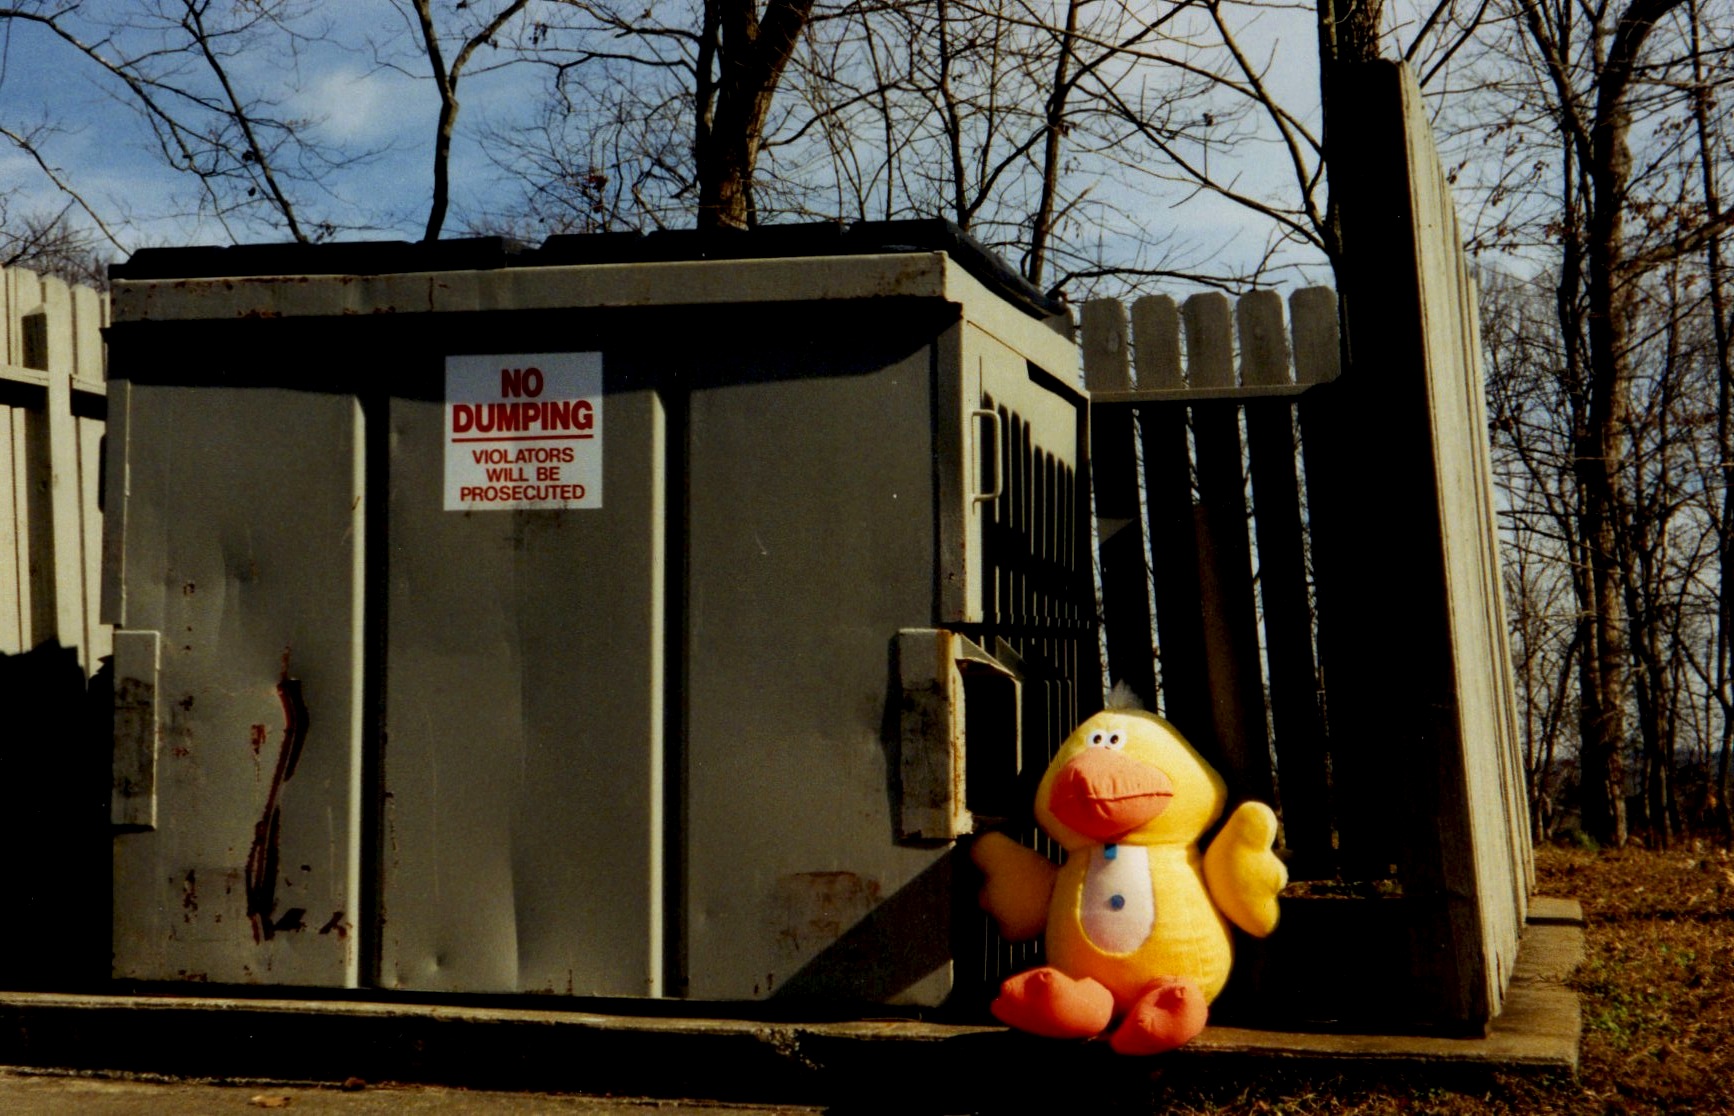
x=1047, y=1002
x=1168, y=1013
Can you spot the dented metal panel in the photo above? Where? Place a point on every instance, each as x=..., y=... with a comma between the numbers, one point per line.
x=822, y=500
x=523, y=733
x=243, y=545
x=811, y=541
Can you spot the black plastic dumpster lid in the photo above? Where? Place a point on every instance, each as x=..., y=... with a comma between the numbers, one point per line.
x=825, y=238
x=828, y=238
x=350, y=257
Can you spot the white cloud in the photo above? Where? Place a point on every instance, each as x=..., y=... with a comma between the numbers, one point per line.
x=356, y=108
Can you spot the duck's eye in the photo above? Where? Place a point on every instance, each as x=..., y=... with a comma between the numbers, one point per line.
x=1115, y=740
x=1098, y=740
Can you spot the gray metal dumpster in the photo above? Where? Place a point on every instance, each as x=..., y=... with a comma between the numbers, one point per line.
x=631, y=616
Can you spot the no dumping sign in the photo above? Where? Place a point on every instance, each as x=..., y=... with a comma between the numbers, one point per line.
x=523, y=431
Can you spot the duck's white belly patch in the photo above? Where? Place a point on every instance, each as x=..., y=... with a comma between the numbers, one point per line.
x=1119, y=905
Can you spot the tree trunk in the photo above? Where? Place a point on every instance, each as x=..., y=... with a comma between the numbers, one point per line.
x=446, y=82
x=1348, y=32
x=1599, y=451
x=1054, y=136
x=750, y=55
x=1719, y=323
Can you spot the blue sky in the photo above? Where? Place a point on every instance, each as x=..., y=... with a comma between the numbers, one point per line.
x=101, y=145
x=359, y=105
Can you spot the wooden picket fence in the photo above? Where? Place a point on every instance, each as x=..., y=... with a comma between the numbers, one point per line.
x=54, y=767
x=52, y=409
x=1329, y=622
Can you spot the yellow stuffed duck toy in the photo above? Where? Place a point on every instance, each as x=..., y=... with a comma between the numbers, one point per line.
x=1137, y=918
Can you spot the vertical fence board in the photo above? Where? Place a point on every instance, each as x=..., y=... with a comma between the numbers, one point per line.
x=87, y=371
x=1119, y=522
x=31, y=470
x=1312, y=315
x=1225, y=556
x=65, y=491
x=1517, y=802
x=1334, y=453
x=1298, y=734
x=1168, y=495
x=14, y=568
x=14, y=499
x=32, y=343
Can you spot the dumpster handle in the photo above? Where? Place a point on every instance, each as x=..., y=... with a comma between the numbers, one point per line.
x=994, y=421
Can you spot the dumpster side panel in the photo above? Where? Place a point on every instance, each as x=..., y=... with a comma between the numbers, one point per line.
x=811, y=541
x=243, y=546
x=522, y=755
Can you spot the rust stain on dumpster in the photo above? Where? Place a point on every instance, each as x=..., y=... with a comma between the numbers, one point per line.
x=262, y=860
x=813, y=909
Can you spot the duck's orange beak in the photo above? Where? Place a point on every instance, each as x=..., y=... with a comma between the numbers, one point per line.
x=1104, y=795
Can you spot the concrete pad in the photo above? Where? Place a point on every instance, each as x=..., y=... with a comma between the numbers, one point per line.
x=36, y=1094
x=744, y=1061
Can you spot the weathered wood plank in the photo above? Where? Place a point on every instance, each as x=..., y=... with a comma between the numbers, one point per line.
x=1119, y=517
x=14, y=499
x=1404, y=298
x=1173, y=541
x=1298, y=732
x=1327, y=441
x=66, y=530
x=14, y=529
x=98, y=637
x=35, y=463
x=1517, y=801
x=88, y=367
x=1337, y=532
x=1313, y=321
x=1225, y=557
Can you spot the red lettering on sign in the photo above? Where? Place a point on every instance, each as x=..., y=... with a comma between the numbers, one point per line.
x=516, y=382
x=518, y=493
x=487, y=418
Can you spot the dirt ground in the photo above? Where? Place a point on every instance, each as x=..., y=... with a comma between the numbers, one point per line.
x=1657, y=989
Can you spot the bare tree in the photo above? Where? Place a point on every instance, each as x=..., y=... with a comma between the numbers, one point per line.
x=1721, y=678
x=741, y=57
x=1582, y=132
x=175, y=63
x=483, y=31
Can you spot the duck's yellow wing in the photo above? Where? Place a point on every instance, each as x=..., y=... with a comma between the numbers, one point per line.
x=1019, y=884
x=1242, y=872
